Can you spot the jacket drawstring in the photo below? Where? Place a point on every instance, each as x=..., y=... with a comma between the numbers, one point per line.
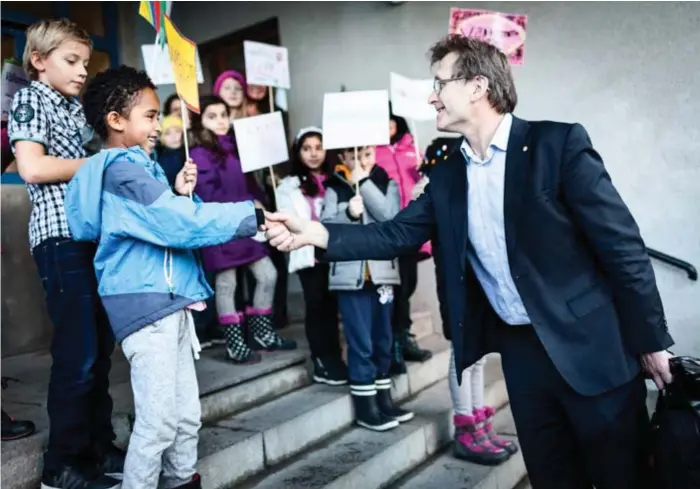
x=168, y=274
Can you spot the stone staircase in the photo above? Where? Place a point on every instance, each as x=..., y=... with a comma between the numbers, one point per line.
x=267, y=426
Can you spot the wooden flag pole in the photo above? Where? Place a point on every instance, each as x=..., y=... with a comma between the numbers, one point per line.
x=272, y=109
x=357, y=184
x=183, y=115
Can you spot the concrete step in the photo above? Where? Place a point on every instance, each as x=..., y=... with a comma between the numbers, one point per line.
x=278, y=430
x=225, y=389
x=446, y=471
x=362, y=458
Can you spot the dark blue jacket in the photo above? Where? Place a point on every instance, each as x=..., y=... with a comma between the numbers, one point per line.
x=574, y=251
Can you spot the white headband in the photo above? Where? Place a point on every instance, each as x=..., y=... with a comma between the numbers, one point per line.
x=303, y=132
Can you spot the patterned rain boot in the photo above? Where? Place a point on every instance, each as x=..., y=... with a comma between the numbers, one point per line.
x=484, y=419
x=236, y=347
x=262, y=334
x=472, y=444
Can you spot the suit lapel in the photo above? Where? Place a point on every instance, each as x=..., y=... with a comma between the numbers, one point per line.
x=517, y=169
x=458, y=202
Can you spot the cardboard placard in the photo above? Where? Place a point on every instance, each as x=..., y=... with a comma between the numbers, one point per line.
x=183, y=55
x=159, y=68
x=354, y=119
x=266, y=64
x=261, y=141
x=505, y=31
x=409, y=98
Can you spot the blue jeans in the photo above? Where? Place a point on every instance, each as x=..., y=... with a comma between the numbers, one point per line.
x=367, y=327
x=79, y=405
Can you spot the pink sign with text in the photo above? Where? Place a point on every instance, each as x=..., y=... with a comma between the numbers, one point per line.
x=505, y=31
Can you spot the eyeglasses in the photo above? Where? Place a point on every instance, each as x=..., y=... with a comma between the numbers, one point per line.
x=438, y=84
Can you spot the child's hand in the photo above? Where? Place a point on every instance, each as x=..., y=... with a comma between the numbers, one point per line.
x=356, y=206
x=359, y=173
x=186, y=179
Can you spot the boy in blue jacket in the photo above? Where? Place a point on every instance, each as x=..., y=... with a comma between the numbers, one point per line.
x=148, y=278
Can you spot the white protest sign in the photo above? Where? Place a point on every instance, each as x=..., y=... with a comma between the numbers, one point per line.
x=409, y=98
x=261, y=141
x=266, y=64
x=353, y=119
x=158, y=66
x=13, y=78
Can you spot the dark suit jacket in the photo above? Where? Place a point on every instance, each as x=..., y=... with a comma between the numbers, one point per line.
x=574, y=250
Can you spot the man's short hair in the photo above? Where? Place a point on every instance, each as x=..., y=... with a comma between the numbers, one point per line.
x=46, y=36
x=479, y=58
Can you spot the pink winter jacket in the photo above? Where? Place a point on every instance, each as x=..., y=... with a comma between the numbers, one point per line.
x=399, y=160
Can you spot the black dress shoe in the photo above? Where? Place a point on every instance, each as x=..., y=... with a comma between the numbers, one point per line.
x=13, y=429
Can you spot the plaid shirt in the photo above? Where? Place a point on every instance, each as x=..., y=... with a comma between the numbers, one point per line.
x=41, y=114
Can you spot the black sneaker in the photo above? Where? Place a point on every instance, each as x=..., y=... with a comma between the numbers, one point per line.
x=328, y=372
x=204, y=340
x=110, y=461
x=385, y=403
x=14, y=429
x=74, y=478
x=215, y=334
x=367, y=413
x=411, y=351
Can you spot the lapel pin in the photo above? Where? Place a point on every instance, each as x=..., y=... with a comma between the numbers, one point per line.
x=524, y=148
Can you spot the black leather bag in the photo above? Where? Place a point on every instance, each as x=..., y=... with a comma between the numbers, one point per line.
x=676, y=428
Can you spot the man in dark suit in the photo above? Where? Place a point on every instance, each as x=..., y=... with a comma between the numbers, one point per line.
x=538, y=258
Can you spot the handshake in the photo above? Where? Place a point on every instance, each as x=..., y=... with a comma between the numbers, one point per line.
x=289, y=233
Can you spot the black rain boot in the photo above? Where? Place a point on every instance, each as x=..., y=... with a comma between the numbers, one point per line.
x=398, y=364
x=236, y=347
x=386, y=403
x=262, y=333
x=367, y=413
x=411, y=351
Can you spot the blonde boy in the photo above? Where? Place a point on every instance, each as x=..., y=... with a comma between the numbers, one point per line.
x=47, y=133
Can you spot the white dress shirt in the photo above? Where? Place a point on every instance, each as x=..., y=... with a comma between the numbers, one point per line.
x=488, y=254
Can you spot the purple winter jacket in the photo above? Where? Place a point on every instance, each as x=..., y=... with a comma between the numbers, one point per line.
x=221, y=179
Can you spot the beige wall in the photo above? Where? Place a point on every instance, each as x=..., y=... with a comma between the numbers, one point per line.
x=25, y=324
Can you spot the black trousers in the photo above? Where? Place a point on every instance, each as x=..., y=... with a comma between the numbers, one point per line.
x=408, y=270
x=321, y=320
x=571, y=441
x=79, y=404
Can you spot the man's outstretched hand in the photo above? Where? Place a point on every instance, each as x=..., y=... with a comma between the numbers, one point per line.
x=288, y=233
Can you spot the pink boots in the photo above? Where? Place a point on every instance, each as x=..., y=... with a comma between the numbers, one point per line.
x=484, y=418
x=472, y=443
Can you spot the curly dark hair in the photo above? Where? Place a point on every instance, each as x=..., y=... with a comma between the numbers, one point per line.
x=113, y=90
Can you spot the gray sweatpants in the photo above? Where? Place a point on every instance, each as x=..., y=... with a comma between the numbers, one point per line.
x=166, y=398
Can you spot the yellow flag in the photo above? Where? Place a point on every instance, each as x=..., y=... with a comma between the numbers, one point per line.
x=183, y=54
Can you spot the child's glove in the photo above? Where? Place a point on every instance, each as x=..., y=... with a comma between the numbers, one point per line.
x=356, y=207
x=419, y=188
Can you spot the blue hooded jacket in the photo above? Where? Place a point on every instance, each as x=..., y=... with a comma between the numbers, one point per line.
x=145, y=269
